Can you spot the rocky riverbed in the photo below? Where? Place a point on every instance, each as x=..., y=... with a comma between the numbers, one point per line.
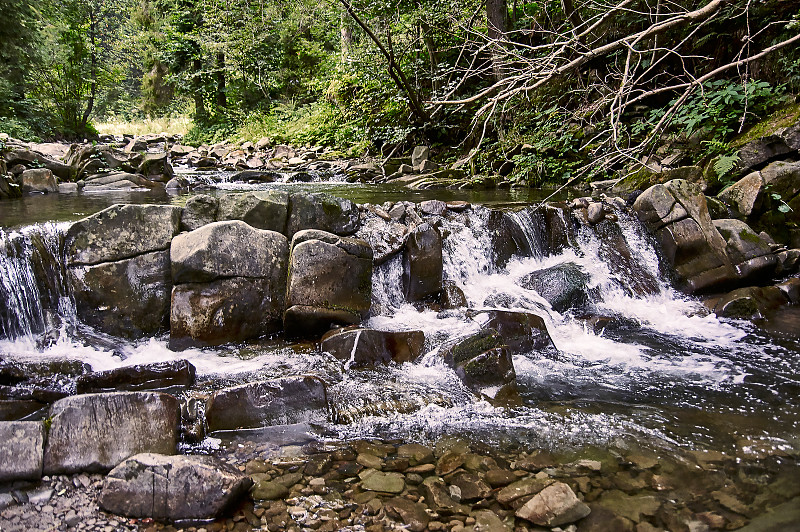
x=455, y=485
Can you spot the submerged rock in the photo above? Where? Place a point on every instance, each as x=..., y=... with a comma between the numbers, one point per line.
x=172, y=487
x=484, y=363
x=284, y=401
x=521, y=331
x=359, y=347
x=554, y=505
x=96, y=432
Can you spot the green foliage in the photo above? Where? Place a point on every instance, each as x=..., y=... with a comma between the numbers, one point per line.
x=725, y=163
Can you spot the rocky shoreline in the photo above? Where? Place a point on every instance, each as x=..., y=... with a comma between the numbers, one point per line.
x=451, y=485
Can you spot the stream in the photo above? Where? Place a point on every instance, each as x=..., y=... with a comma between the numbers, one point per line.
x=658, y=371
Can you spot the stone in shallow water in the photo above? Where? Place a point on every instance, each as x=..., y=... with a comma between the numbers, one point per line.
x=366, y=347
x=384, y=482
x=172, y=487
x=409, y=512
x=554, y=505
x=284, y=401
x=138, y=377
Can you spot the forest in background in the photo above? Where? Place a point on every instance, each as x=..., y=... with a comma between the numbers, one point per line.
x=552, y=89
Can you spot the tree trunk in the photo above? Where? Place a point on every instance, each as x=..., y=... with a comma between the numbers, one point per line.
x=433, y=58
x=345, y=35
x=92, y=71
x=222, y=100
x=497, y=23
x=197, y=82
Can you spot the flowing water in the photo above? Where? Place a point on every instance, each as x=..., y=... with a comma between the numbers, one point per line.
x=658, y=368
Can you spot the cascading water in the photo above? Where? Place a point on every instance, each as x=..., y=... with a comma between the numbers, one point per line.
x=34, y=296
x=639, y=360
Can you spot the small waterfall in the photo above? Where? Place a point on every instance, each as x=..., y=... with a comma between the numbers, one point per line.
x=528, y=231
x=34, y=294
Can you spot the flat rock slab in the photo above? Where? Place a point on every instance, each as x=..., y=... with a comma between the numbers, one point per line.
x=121, y=232
x=284, y=401
x=138, y=377
x=96, y=432
x=21, y=450
x=172, y=487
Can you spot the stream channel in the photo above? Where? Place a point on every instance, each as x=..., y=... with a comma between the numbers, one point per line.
x=663, y=374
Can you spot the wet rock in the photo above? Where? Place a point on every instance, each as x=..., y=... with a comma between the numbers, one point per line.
x=261, y=176
x=433, y=207
x=633, y=507
x=565, y=286
x=601, y=519
x=791, y=290
x=359, y=347
x=18, y=410
x=484, y=363
x=385, y=238
x=39, y=180
x=554, y=505
x=384, y=482
x=228, y=249
x=262, y=210
x=330, y=283
x=471, y=486
x=172, y=487
x=595, y=212
x=127, y=297
x=521, y=331
x=422, y=263
x=284, y=401
x=268, y=490
x=121, y=232
x=750, y=302
x=110, y=181
x=96, y=432
x=452, y=296
x=437, y=496
x=497, y=478
x=138, y=377
x=488, y=521
x=627, y=270
x=678, y=215
x=21, y=450
x=409, y=512
x=522, y=488
x=156, y=167
x=750, y=254
x=417, y=454
x=199, y=210
x=321, y=211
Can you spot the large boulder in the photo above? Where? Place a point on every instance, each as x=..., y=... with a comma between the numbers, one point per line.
x=96, y=432
x=39, y=180
x=750, y=302
x=118, y=180
x=127, y=297
x=422, y=263
x=21, y=450
x=359, y=347
x=565, y=286
x=321, y=211
x=750, y=254
x=199, y=210
x=262, y=210
x=121, y=232
x=330, y=283
x=230, y=284
x=677, y=213
x=172, y=488
x=138, y=377
x=301, y=399
x=156, y=167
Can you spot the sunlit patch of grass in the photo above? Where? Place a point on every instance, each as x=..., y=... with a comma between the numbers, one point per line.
x=169, y=126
